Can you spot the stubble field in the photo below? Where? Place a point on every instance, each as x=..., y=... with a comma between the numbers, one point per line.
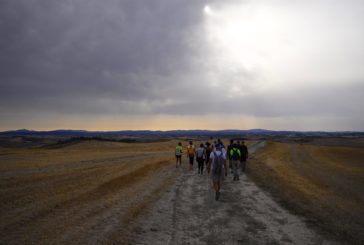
x=82, y=193
x=321, y=180
x=97, y=192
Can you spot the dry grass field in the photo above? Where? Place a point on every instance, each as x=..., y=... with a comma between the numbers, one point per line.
x=90, y=191
x=97, y=191
x=322, y=180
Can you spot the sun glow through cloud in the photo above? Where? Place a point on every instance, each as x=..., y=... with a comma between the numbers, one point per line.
x=246, y=38
x=207, y=10
x=277, y=43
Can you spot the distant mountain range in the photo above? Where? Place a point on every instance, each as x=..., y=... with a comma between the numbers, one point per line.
x=181, y=133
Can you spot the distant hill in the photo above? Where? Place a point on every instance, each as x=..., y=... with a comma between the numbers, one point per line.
x=181, y=133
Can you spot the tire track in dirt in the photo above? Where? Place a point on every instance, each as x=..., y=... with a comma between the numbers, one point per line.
x=243, y=215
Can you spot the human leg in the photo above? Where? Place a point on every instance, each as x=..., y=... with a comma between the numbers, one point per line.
x=191, y=162
x=235, y=169
x=200, y=162
x=217, y=190
x=230, y=165
x=214, y=183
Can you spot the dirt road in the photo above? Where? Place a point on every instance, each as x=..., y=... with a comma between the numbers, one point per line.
x=189, y=214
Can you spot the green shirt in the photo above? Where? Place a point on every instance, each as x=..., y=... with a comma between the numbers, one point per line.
x=178, y=150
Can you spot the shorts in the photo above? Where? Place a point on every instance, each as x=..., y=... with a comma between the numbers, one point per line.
x=191, y=159
x=218, y=177
x=178, y=156
x=200, y=160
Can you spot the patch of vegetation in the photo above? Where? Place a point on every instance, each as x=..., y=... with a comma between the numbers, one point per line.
x=75, y=140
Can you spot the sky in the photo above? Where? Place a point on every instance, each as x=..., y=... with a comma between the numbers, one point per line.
x=192, y=64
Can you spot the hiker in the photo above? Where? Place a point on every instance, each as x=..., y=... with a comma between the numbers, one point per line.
x=235, y=157
x=178, y=153
x=220, y=143
x=191, y=153
x=200, y=158
x=228, y=154
x=244, y=156
x=213, y=146
x=218, y=162
x=208, y=150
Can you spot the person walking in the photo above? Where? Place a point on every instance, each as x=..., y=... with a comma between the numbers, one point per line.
x=228, y=154
x=218, y=163
x=235, y=156
x=213, y=146
x=221, y=144
x=208, y=150
x=191, y=153
x=178, y=153
x=244, y=156
x=200, y=158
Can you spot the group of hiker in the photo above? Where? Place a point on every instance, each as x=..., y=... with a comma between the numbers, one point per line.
x=214, y=156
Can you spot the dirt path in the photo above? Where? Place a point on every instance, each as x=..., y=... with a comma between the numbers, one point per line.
x=189, y=214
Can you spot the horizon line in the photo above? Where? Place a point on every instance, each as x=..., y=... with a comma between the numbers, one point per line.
x=151, y=130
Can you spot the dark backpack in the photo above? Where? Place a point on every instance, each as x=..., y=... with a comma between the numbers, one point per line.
x=201, y=153
x=208, y=150
x=244, y=152
x=218, y=162
x=235, y=154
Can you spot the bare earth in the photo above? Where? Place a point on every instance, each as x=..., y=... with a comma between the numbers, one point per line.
x=189, y=214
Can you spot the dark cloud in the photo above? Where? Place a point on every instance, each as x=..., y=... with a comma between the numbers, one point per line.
x=130, y=57
x=60, y=47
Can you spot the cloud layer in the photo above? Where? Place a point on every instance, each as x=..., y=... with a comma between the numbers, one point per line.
x=272, y=63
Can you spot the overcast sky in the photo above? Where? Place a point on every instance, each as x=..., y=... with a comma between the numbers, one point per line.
x=172, y=64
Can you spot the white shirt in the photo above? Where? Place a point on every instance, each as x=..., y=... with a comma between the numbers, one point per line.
x=223, y=149
x=218, y=153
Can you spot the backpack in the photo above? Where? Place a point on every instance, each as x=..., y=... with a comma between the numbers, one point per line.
x=201, y=153
x=208, y=150
x=191, y=150
x=244, y=152
x=235, y=154
x=218, y=163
